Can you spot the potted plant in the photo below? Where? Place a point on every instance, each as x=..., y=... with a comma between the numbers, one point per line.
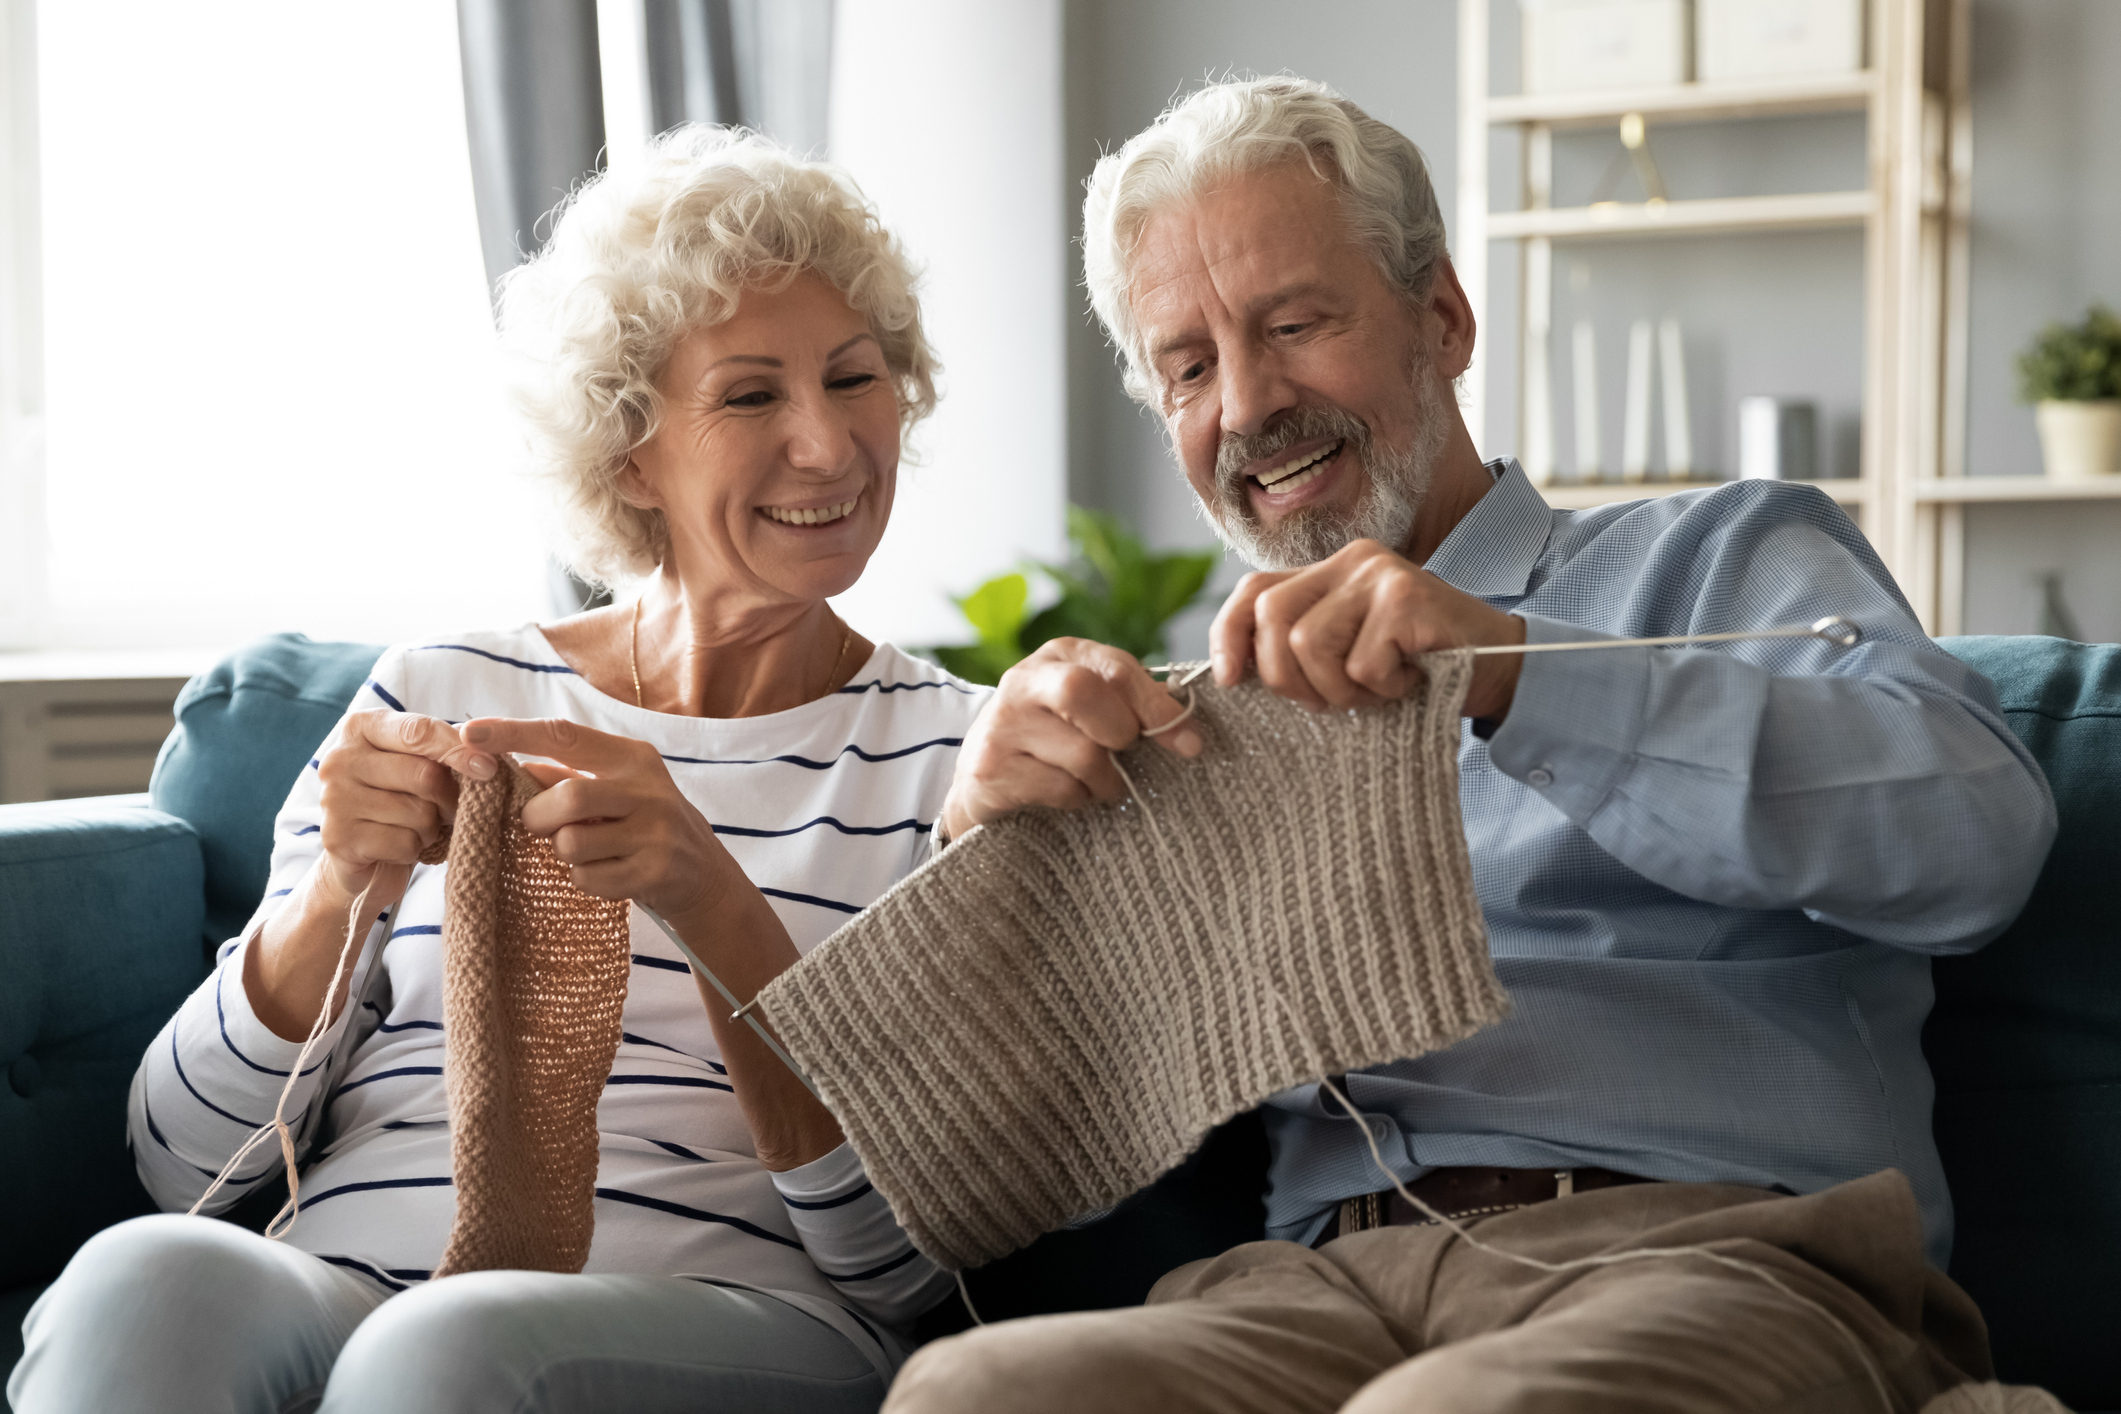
x=1115, y=592
x=2072, y=377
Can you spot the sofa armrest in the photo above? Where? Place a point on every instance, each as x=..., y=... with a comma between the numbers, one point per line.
x=101, y=906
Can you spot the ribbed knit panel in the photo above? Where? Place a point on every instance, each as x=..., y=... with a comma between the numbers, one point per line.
x=1040, y=1022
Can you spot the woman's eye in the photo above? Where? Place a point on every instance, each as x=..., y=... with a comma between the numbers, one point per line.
x=756, y=399
x=852, y=381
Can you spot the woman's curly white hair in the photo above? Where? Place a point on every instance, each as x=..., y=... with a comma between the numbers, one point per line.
x=638, y=261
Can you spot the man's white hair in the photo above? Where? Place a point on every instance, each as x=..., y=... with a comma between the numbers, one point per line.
x=635, y=263
x=1240, y=125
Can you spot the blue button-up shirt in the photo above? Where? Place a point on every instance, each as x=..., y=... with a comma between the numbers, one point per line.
x=1713, y=878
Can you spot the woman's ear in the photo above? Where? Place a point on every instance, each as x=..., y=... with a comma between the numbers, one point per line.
x=634, y=490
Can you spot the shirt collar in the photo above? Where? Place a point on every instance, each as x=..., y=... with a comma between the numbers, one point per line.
x=1491, y=553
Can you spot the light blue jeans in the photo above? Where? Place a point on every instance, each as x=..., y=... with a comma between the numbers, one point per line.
x=176, y=1315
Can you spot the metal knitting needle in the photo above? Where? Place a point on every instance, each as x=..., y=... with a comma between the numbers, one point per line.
x=1832, y=629
x=742, y=1009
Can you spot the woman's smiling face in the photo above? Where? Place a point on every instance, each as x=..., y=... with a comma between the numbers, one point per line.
x=777, y=456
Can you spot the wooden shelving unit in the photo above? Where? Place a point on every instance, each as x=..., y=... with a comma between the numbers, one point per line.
x=1912, y=211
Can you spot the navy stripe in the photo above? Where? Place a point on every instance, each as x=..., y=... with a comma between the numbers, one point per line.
x=681, y=1151
x=811, y=899
x=866, y=1326
x=417, y=929
x=914, y=825
x=495, y=657
x=697, y=1214
x=410, y=1026
x=280, y=893
x=247, y=1124
x=388, y=1074
x=811, y=765
x=412, y=1123
x=376, y=1183
x=377, y=689
x=155, y=1130
x=363, y=1268
x=878, y=685
x=864, y=1191
x=891, y=1266
x=312, y=763
x=222, y=1017
x=689, y=1081
x=307, y=830
x=643, y=960
x=719, y=1068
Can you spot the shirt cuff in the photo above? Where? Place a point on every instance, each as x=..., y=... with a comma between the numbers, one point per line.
x=1574, y=722
x=832, y=1175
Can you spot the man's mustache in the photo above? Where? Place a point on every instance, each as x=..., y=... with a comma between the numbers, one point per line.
x=1239, y=451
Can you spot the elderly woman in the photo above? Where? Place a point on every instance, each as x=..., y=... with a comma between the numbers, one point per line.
x=723, y=354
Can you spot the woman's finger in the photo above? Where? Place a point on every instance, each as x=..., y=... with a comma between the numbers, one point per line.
x=576, y=798
x=411, y=734
x=350, y=803
x=415, y=777
x=567, y=742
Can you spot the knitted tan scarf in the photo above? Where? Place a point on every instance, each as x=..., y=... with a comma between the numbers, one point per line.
x=1040, y=1022
x=533, y=984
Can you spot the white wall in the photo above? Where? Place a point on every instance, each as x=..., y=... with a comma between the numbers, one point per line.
x=948, y=113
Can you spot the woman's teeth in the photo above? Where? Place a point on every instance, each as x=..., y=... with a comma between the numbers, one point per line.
x=1298, y=471
x=821, y=516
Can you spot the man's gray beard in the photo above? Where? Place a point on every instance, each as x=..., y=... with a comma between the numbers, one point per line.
x=1398, y=482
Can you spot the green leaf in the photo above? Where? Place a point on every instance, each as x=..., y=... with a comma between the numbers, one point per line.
x=996, y=610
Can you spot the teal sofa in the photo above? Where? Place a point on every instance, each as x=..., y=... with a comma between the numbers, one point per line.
x=108, y=908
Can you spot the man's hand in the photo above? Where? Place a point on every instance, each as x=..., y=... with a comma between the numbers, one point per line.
x=1043, y=739
x=1344, y=632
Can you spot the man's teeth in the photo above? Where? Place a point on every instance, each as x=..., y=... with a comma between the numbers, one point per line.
x=821, y=516
x=1296, y=472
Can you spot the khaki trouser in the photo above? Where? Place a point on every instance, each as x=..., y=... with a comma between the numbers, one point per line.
x=1413, y=1319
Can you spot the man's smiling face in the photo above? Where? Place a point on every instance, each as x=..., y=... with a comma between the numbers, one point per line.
x=1299, y=386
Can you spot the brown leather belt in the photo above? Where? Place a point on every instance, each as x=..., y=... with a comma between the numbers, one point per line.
x=1468, y=1193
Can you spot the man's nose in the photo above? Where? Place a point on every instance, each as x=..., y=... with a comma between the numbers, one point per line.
x=1255, y=388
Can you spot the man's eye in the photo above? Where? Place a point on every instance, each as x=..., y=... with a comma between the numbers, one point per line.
x=1285, y=329
x=1192, y=371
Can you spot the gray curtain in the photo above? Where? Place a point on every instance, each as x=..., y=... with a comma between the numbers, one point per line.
x=766, y=64
x=534, y=114
x=534, y=111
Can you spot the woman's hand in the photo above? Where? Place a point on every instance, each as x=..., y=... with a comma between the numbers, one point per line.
x=387, y=795
x=1044, y=738
x=614, y=815
x=1343, y=632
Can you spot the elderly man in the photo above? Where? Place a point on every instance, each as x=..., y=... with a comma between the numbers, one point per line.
x=1712, y=879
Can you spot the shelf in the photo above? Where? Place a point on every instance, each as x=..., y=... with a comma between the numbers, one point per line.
x=1563, y=496
x=1807, y=211
x=1689, y=102
x=1962, y=489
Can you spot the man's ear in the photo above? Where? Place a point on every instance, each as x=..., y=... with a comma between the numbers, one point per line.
x=1454, y=316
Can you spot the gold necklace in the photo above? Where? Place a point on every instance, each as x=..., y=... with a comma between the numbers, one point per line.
x=633, y=655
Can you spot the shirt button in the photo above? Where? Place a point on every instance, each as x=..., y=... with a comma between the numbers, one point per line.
x=1539, y=776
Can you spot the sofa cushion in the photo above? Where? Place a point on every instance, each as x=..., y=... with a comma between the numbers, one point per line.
x=2025, y=1044
x=99, y=943
x=245, y=728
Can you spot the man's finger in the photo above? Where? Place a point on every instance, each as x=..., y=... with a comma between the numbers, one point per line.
x=1320, y=642
x=1230, y=637
x=413, y=734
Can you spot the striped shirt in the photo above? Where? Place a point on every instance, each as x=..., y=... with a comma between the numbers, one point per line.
x=824, y=806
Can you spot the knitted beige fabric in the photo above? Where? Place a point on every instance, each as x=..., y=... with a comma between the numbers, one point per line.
x=1039, y=1022
x=533, y=982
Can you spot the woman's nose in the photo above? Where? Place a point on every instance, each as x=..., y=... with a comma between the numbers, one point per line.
x=820, y=435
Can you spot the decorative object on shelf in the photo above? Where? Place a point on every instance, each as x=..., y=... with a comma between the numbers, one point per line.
x=1589, y=459
x=2056, y=620
x=1113, y=591
x=1757, y=39
x=1635, y=421
x=1572, y=45
x=1778, y=439
x=1678, y=423
x=1635, y=152
x=2072, y=377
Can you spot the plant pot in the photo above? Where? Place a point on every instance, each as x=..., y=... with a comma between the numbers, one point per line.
x=2079, y=441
